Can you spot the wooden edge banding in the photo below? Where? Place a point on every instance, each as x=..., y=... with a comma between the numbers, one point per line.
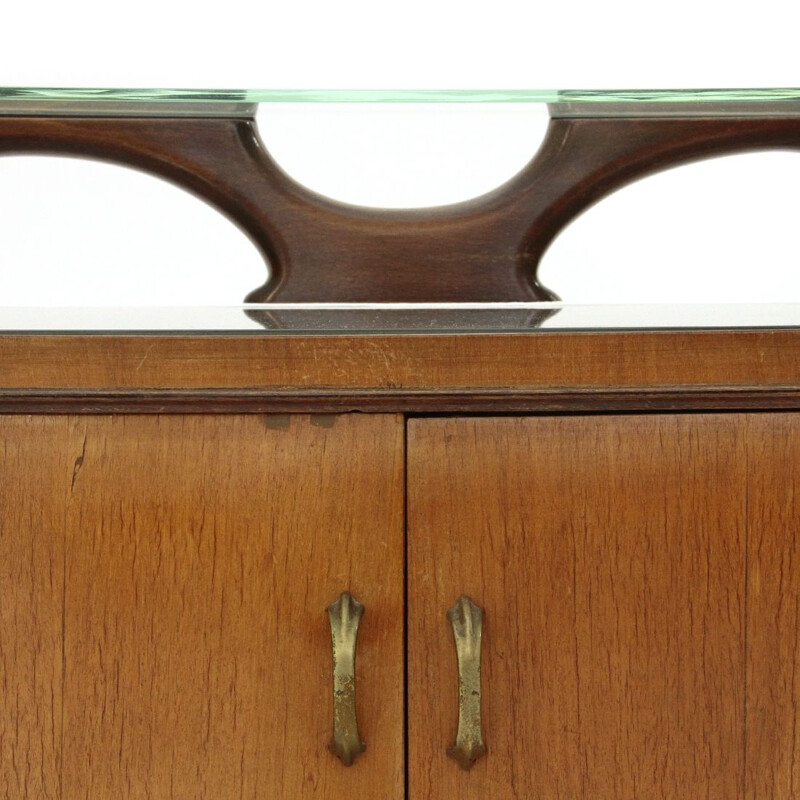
x=415, y=373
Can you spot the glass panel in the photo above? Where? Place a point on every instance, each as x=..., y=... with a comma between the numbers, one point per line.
x=242, y=102
x=137, y=95
x=282, y=318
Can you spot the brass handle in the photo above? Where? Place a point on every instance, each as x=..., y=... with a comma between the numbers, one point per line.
x=345, y=615
x=467, y=621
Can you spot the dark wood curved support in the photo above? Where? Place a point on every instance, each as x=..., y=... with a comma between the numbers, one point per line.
x=582, y=161
x=486, y=249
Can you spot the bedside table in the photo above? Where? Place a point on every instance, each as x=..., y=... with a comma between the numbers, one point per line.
x=514, y=547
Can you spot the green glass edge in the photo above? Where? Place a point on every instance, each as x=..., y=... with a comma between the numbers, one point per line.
x=398, y=95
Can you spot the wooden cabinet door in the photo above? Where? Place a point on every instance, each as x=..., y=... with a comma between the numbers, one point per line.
x=773, y=607
x=163, y=591
x=609, y=554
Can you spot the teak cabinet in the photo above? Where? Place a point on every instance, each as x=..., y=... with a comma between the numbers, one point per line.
x=177, y=515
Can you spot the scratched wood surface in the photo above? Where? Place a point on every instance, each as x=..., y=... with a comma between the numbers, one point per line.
x=199, y=556
x=773, y=620
x=502, y=363
x=609, y=556
x=35, y=463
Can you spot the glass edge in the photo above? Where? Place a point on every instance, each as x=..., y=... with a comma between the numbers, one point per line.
x=222, y=95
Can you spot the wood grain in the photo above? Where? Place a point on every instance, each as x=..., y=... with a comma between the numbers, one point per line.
x=609, y=556
x=200, y=554
x=773, y=621
x=635, y=367
x=37, y=455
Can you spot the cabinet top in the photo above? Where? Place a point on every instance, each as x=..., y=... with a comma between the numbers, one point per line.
x=502, y=372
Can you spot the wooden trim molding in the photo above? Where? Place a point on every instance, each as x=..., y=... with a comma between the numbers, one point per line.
x=336, y=402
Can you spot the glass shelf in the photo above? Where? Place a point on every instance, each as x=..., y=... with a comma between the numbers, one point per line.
x=401, y=95
x=333, y=319
x=562, y=102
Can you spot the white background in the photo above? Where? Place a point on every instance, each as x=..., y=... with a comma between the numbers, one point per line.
x=83, y=233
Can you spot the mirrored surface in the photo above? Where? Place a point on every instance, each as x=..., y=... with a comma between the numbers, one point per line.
x=330, y=319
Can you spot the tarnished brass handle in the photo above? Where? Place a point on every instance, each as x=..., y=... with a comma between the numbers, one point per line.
x=467, y=621
x=345, y=615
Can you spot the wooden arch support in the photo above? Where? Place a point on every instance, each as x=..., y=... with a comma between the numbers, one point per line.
x=319, y=250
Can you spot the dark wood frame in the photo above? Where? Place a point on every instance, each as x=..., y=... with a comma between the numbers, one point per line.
x=486, y=249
